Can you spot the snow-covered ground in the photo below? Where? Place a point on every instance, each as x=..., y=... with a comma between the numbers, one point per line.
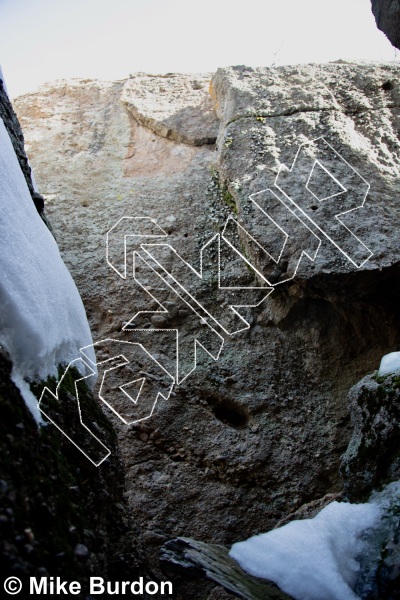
x=312, y=559
x=42, y=319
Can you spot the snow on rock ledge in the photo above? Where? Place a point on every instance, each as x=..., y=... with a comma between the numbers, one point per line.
x=42, y=319
x=312, y=559
x=390, y=363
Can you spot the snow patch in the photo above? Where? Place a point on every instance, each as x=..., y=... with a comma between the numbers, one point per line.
x=312, y=559
x=42, y=319
x=390, y=363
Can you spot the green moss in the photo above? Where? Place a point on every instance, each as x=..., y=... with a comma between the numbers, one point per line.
x=229, y=200
x=389, y=380
x=223, y=191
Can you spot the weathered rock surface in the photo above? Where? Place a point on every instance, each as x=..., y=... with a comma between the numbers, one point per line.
x=54, y=503
x=379, y=575
x=267, y=113
x=177, y=107
x=387, y=16
x=373, y=456
x=248, y=439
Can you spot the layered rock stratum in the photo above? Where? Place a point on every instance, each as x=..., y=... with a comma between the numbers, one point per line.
x=248, y=439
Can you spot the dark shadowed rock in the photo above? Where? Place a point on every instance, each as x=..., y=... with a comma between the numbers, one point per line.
x=51, y=498
x=387, y=17
x=372, y=458
x=17, y=138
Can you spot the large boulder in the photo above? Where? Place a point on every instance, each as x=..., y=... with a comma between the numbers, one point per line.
x=372, y=458
x=343, y=116
x=249, y=438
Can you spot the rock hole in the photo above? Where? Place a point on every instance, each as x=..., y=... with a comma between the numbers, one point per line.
x=314, y=207
x=387, y=86
x=228, y=412
x=284, y=265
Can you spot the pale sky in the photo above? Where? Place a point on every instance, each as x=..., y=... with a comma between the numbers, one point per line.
x=44, y=40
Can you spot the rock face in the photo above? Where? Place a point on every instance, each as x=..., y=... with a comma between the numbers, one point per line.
x=387, y=16
x=50, y=497
x=175, y=106
x=267, y=113
x=373, y=456
x=246, y=440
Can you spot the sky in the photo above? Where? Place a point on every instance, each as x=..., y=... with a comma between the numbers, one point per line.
x=45, y=40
